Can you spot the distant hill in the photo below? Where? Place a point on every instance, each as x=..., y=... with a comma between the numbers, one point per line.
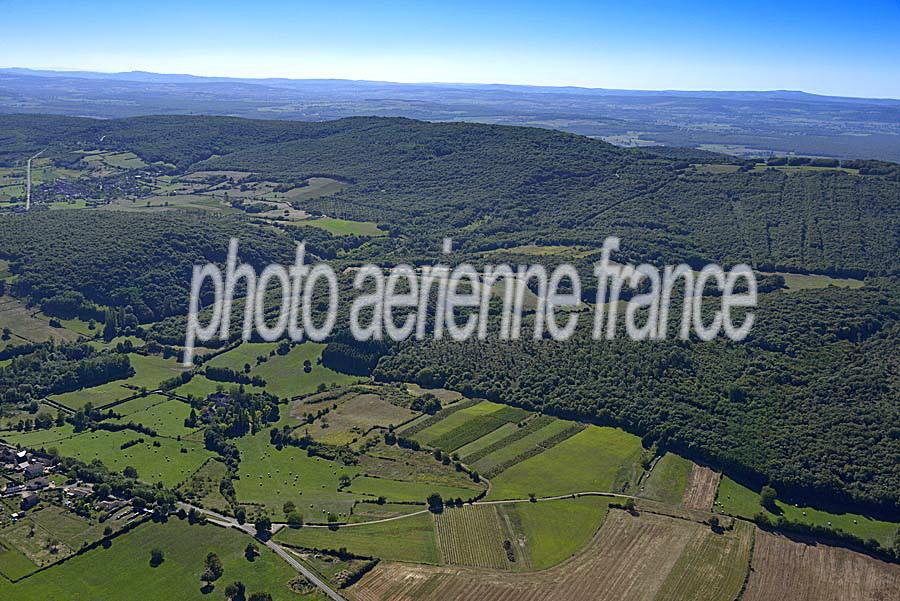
x=743, y=123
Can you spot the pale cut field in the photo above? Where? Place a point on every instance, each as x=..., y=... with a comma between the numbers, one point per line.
x=798, y=571
x=631, y=559
x=702, y=485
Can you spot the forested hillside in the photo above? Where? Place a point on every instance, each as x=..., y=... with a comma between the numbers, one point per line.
x=809, y=401
x=491, y=186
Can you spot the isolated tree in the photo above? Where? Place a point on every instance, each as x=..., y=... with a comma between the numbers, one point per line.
x=435, y=503
x=156, y=557
x=107, y=531
x=251, y=551
x=767, y=497
x=235, y=591
x=295, y=520
x=714, y=522
x=130, y=472
x=240, y=514
x=213, y=569
x=289, y=507
x=263, y=526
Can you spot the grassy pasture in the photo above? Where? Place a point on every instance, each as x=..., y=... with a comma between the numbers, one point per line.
x=166, y=418
x=486, y=440
x=34, y=535
x=150, y=371
x=477, y=427
x=285, y=377
x=395, y=463
x=408, y=539
x=243, y=354
x=802, y=281
x=269, y=477
x=13, y=562
x=38, y=438
x=517, y=447
x=355, y=416
x=201, y=387
x=123, y=572
x=455, y=420
x=165, y=463
x=553, y=531
x=668, y=479
x=203, y=486
x=27, y=325
x=738, y=500
x=402, y=490
x=344, y=227
x=595, y=459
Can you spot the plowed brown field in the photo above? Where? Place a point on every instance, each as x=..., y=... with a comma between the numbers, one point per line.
x=785, y=569
x=700, y=492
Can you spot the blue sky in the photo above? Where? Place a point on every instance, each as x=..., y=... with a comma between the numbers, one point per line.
x=824, y=47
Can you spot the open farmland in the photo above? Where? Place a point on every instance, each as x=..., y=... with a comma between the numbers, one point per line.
x=804, y=571
x=473, y=536
x=407, y=491
x=269, y=477
x=596, y=459
x=477, y=427
x=549, y=532
x=156, y=459
x=393, y=463
x=514, y=449
x=703, y=482
x=667, y=481
x=407, y=539
x=150, y=372
x=286, y=377
x=355, y=415
x=27, y=325
x=738, y=500
x=631, y=558
x=165, y=418
x=122, y=571
x=467, y=424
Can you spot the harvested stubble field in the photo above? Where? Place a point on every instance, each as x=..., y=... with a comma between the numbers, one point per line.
x=800, y=571
x=702, y=485
x=632, y=558
x=472, y=536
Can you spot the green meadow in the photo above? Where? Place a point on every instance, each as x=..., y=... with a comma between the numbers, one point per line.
x=408, y=539
x=596, y=459
x=738, y=500
x=123, y=572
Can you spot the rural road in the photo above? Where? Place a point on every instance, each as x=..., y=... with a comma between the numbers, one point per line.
x=228, y=522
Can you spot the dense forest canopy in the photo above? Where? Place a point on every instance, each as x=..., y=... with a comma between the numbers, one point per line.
x=492, y=186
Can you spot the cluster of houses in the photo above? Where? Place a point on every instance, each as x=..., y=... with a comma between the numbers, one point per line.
x=31, y=467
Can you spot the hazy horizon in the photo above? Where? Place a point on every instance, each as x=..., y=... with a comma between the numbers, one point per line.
x=74, y=72
x=821, y=47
